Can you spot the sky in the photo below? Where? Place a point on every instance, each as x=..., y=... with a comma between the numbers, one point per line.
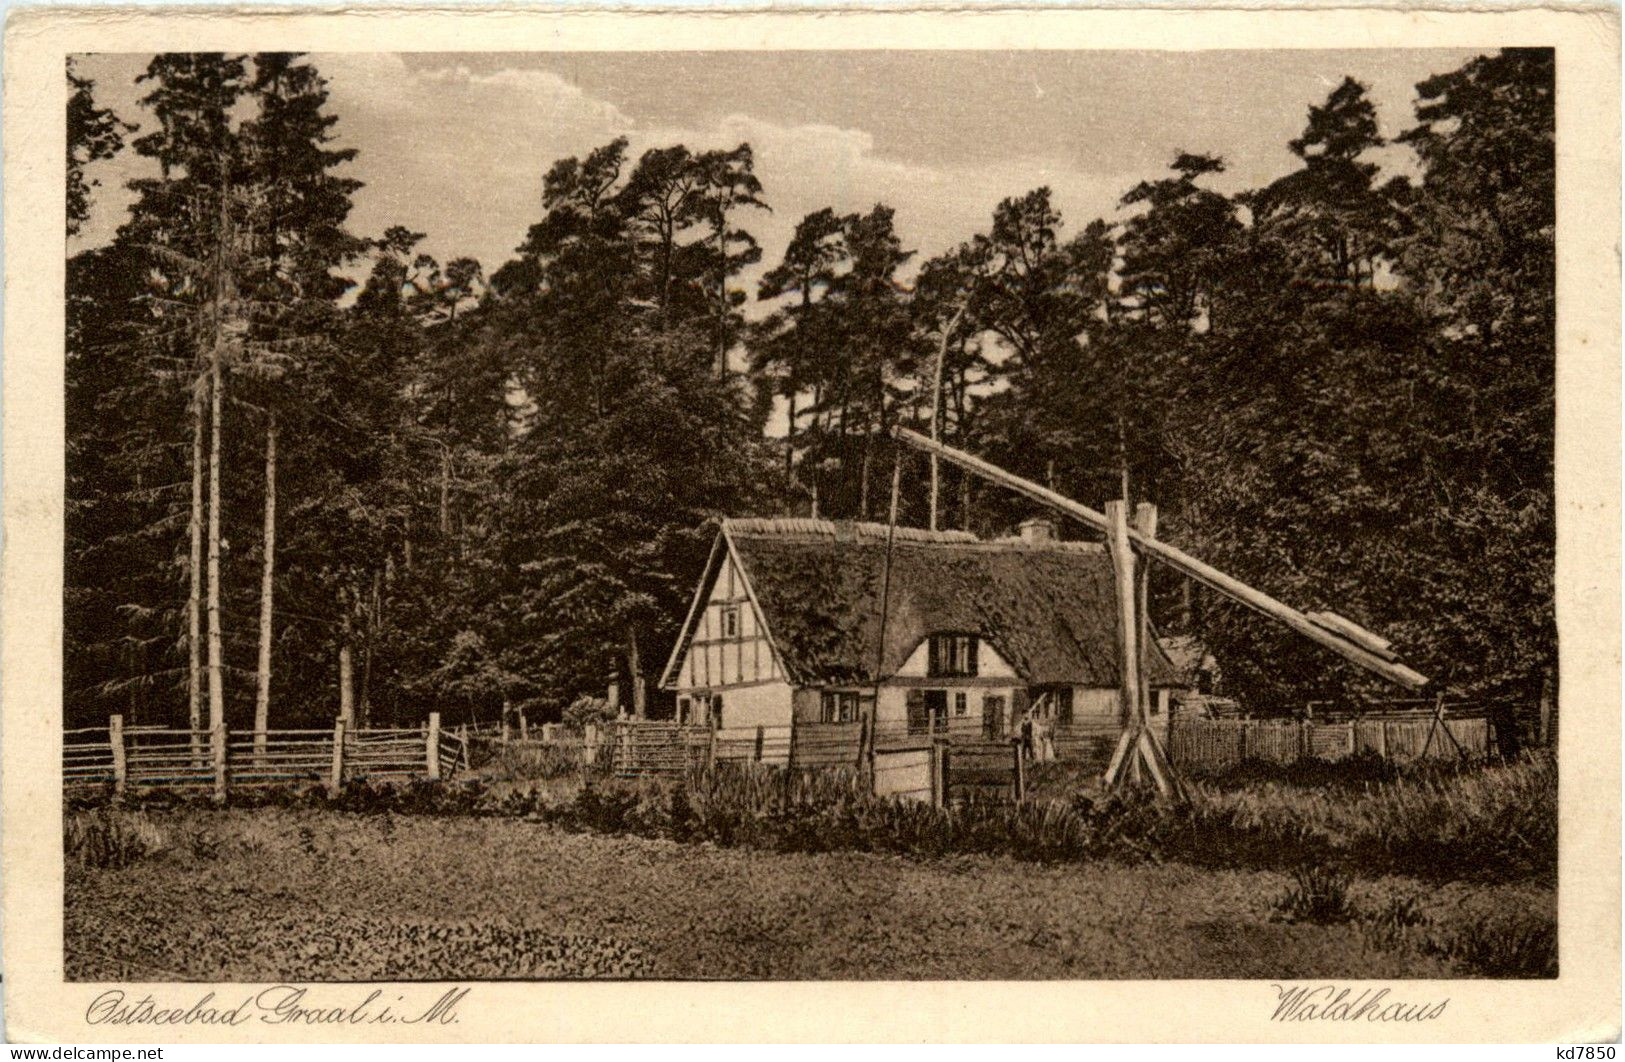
x=455, y=144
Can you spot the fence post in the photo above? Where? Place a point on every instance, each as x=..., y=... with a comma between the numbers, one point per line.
x=1245, y=726
x=939, y=772
x=217, y=740
x=1305, y=740
x=335, y=781
x=1020, y=770
x=433, y=749
x=115, y=740
x=1382, y=739
x=760, y=741
x=524, y=727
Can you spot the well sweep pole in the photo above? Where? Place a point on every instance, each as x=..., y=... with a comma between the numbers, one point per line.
x=1175, y=558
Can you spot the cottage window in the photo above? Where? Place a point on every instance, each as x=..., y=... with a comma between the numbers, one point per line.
x=730, y=621
x=951, y=656
x=961, y=703
x=1063, y=706
x=838, y=706
x=927, y=711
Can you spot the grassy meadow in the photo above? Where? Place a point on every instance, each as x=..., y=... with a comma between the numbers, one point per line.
x=540, y=872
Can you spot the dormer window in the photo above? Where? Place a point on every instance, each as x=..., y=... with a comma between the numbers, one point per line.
x=951, y=656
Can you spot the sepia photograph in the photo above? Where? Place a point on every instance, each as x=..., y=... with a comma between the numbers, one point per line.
x=521, y=513
x=542, y=517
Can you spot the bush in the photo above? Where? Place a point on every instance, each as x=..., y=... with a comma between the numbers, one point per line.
x=537, y=762
x=1319, y=893
x=111, y=839
x=1519, y=943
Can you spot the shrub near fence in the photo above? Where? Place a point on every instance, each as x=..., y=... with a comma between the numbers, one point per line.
x=219, y=760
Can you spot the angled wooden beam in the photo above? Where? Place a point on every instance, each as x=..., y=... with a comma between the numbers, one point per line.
x=1177, y=559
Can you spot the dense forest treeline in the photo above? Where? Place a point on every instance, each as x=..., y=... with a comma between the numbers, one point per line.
x=456, y=489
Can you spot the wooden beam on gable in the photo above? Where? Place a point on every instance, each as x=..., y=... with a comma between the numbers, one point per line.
x=1179, y=560
x=668, y=676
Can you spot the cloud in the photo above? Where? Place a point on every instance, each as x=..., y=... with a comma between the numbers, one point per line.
x=460, y=153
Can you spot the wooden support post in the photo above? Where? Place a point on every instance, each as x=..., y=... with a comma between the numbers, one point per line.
x=790, y=755
x=939, y=772
x=1020, y=770
x=115, y=741
x=217, y=740
x=335, y=780
x=1125, y=744
x=524, y=727
x=1382, y=739
x=432, y=747
x=1432, y=726
x=1128, y=628
x=1145, y=522
x=1305, y=744
x=711, y=746
x=761, y=736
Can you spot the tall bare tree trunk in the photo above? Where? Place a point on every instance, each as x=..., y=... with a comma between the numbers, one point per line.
x=634, y=669
x=445, y=491
x=262, y=695
x=374, y=609
x=790, y=438
x=194, y=601
x=863, y=481
x=346, y=674
x=936, y=404
x=217, y=389
x=722, y=299
x=217, y=691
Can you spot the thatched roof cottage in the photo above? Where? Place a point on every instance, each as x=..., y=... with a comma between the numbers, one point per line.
x=977, y=635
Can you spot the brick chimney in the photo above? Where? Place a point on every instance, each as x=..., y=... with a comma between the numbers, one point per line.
x=1037, y=530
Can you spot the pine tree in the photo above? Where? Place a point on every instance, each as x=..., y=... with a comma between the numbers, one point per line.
x=296, y=239
x=94, y=133
x=184, y=220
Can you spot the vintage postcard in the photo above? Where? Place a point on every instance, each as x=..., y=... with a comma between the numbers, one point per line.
x=865, y=525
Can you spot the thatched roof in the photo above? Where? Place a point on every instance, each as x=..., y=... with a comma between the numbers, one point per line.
x=1048, y=608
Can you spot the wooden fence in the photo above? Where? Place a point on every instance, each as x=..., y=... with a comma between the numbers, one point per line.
x=216, y=761
x=937, y=765
x=1223, y=742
